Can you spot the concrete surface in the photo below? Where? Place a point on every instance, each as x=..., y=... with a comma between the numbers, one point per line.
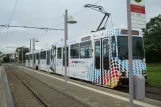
x=5, y=94
x=88, y=93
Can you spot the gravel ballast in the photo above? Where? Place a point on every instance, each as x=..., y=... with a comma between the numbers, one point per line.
x=21, y=95
x=54, y=97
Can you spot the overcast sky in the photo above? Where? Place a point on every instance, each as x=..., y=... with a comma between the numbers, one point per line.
x=49, y=13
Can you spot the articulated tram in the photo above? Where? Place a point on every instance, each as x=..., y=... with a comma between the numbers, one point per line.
x=99, y=57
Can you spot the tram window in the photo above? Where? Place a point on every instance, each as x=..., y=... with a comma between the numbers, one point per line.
x=48, y=57
x=105, y=54
x=82, y=52
x=34, y=57
x=74, y=51
x=59, y=53
x=37, y=55
x=51, y=54
x=97, y=54
x=85, y=49
x=40, y=55
x=43, y=55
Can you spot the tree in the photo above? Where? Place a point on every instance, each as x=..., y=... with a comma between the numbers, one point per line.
x=152, y=40
x=6, y=59
x=25, y=50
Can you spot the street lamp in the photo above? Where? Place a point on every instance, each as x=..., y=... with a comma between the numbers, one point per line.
x=33, y=49
x=18, y=55
x=160, y=18
x=67, y=20
x=22, y=54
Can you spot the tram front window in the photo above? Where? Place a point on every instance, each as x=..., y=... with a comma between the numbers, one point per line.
x=138, y=49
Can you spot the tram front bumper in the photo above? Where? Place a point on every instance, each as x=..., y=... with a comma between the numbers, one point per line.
x=125, y=81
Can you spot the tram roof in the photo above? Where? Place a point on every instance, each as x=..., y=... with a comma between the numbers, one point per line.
x=109, y=32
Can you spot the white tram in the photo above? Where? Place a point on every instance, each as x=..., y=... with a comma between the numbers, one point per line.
x=99, y=57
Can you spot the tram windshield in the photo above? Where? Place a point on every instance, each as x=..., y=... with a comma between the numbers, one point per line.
x=138, y=49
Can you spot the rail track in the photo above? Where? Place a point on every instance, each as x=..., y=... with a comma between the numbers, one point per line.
x=157, y=93
x=28, y=87
x=54, y=97
x=151, y=92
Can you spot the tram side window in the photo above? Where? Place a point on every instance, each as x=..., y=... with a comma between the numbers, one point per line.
x=48, y=57
x=59, y=53
x=113, y=46
x=34, y=57
x=40, y=55
x=37, y=56
x=74, y=51
x=51, y=54
x=85, y=49
x=43, y=55
x=97, y=54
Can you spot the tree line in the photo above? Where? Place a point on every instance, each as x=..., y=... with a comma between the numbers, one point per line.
x=7, y=58
x=152, y=40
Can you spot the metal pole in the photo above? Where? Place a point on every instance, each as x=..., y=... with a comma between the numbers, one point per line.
x=65, y=44
x=33, y=55
x=30, y=53
x=18, y=56
x=14, y=58
x=22, y=56
x=130, y=54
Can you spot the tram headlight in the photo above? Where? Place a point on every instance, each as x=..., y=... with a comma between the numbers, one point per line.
x=123, y=73
x=120, y=74
x=143, y=72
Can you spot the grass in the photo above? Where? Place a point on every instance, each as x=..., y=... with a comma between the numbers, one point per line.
x=154, y=74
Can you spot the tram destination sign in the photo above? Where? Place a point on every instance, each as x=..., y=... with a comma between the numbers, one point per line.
x=86, y=38
x=138, y=14
x=134, y=32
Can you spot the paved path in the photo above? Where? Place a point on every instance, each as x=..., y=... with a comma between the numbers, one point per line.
x=3, y=102
x=91, y=94
x=5, y=94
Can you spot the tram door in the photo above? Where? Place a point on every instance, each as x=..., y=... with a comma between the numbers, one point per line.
x=101, y=60
x=48, y=58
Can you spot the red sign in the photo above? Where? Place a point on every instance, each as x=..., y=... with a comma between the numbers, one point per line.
x=137, y=9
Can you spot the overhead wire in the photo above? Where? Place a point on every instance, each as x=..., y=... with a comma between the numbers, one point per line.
x=55, y=25
x=85, y=8
x=73, y=15
x=77, y=13
x=12, y=15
